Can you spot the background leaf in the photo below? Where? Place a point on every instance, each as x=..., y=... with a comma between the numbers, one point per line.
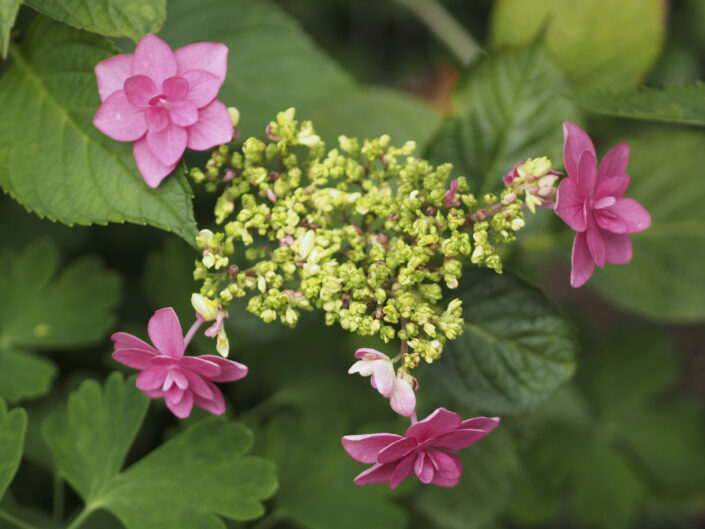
x=12, y=428
x=8, y=13
x=516, y=348
x=127, y=18
x=24, y=375
x=599, y=43
x=74, y=174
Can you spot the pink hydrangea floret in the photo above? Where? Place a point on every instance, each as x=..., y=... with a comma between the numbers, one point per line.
x=591, y=201
x=164, y=101
x=183, y=381
x=425, y=450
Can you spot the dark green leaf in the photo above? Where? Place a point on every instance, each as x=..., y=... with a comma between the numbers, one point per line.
x=8, y=13
x=516, y=348
x=12, y=428
x=127, y=18
x=24, y=375
x=510, y=108
x=75, y=174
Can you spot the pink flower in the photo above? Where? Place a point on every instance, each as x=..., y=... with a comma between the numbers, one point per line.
x=423, y=450
x=449, y=196
x=592, y=203
x=165, y=372
x=164, y=101
x=391, y=385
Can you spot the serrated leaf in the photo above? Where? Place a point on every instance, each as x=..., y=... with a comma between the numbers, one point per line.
x=673, y=103
x=516, y=348
x=75, y=174
x=12, y=429
x=664, y=280
x=127, y=18
x=316, y=477
x=600, y=43
x=510, y=107
x=188, y=482
x=8, y=13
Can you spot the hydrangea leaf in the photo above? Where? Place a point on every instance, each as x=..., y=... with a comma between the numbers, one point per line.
x=665, y=166
x=77, y=175
x=8, y=13
x=127, y=18
x=510, y=107
x=274, y=65
x=516, y=348
x=599, y=43
x=13, y=424
x=319, y=493
x=191, y=480
x=673, y=103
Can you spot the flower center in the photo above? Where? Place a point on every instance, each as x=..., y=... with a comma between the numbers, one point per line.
x=157, y=100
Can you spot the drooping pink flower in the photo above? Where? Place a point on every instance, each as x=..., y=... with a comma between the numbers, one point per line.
x=165, y=372
x=164, y=101
x=591, y=201
x=391, y=385
x=424, y=450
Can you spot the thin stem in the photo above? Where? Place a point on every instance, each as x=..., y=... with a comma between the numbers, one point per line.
x=15, y=521
x=192, y=331
x=83, y=515
x=446, y=28
x=413, y=418
x=58, y=498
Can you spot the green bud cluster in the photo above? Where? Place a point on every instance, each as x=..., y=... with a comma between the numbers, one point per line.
x=366, y=232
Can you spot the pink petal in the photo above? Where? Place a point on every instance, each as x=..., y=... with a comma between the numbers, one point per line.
x=439, y=422
x=157, y=118
x=587, y=171
x=576, y=142
x=570, y=204
x=230, y=370
x=614, y=186
x=376, y=474
x=175, y=88
x=423, y=468
x=596, y=243
x=403, y=470
x=154, y=393
x=447, y=465
x=618, y=248
x=384, y=377
x=457, y=439
x=165, y=332
x=614, y=163
x=174, y=394
x=134, y=358
x=397, y=450
x=120, y=120
x=214, y=127
x=167, y=145
x=183, y=113
x=199, y=365
x=181, y=408
x=364, y=367
x=370, y=354
x=203, y=86
x=198, y=385
x=364, y=448
x=139, y=89
x=153, y=171
x=403, y=399
x=125, y=340
x=486, y=424
x=154, y=58
x=175, y=376
x=625, y=216
x=581, y=260
x=215, y=405
x=442, y=481
x=112, y=74
x=152, y=378
x=207, y=56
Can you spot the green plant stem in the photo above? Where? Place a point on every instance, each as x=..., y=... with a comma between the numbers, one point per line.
x=446, y=28
x=83, y=515
x=15, y=521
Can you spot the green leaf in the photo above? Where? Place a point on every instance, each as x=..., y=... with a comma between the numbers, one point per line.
x=24, y=375
x=600, y=43
x=74, y=174
x=12, y=430
x=8, y=13
x=510, y=107
x=127, y=18
x=516, y=348
x=316, y=477
x=273, y=65
x=673, y=103
x=168, y=277
x=188, y=482
x=664, y=280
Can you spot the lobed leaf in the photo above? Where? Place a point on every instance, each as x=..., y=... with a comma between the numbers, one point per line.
x=12, y=429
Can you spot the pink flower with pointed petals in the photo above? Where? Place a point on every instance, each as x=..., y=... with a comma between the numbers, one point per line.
x=165, y=372
x=391, y=385
x=425, y=450
x=591, y=201
x=164, y=101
